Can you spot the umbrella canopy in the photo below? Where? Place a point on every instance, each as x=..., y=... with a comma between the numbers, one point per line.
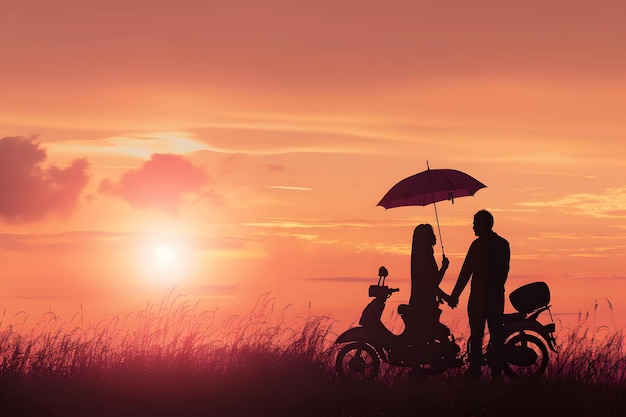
x=430, y=186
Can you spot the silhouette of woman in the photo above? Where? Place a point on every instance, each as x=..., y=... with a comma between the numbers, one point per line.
x=425, y=279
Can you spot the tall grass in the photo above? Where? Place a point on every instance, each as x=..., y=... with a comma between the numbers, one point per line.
x=177, y=334
x=165, y=353
x=590, y=354
x=177, y=359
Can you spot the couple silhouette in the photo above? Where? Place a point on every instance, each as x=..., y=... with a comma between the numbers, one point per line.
x=487, y=265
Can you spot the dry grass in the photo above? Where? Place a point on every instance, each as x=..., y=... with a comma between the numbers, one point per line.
x=178, y=360
x=590, y=354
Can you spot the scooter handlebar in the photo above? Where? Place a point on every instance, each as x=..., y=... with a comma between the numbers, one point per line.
x=381, y=291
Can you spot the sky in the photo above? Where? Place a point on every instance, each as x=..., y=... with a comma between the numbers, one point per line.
x=226, y=150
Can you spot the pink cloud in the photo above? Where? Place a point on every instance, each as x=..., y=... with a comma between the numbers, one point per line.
x=31, y=192
x=160, y=183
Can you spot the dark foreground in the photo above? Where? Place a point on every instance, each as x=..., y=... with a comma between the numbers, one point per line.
x=300, y=392
x=174, y=361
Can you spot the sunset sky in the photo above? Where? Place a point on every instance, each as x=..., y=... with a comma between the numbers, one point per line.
x=234, y=148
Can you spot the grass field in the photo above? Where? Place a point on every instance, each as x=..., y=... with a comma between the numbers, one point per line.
x=178, y=360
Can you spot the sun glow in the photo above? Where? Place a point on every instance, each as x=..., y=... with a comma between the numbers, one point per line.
x=164, y=256
x=165, y=261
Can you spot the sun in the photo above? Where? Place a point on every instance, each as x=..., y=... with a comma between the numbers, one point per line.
x=164, y=261
x=164, y=256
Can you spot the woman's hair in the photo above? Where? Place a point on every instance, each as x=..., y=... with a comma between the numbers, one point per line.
x=423, y=235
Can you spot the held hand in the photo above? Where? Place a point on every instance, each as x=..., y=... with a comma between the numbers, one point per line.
x=453, y=301
x=445, y=263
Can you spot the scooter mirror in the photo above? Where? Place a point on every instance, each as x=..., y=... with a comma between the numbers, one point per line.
x=382, y=274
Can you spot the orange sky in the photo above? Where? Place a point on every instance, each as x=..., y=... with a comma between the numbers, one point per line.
x=239, y=148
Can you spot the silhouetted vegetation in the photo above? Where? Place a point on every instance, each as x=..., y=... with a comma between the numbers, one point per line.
x=177, y=360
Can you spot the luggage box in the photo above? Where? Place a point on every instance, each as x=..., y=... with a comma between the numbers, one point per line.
x=530, y=297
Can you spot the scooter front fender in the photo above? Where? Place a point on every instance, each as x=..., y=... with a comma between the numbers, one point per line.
x=362, y=335
x=376, y=338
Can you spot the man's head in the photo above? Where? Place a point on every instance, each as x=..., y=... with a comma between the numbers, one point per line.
x=483, y=222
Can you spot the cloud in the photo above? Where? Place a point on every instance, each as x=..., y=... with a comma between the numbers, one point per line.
x=138, y=145
x=339, y=279
x=289, y=187
x=76, y=240
x=342, y=46
x=576, y=236
x=311, y=223
x=275, y=167
x=609, y=203
x=69, y=242
x=29, y=191
x=160, y=183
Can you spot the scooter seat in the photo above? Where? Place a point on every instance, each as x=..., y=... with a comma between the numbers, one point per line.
x=509, y=318
x=403, y=309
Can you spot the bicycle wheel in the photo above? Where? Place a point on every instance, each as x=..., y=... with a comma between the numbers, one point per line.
x=525, y=356
x=358, y=362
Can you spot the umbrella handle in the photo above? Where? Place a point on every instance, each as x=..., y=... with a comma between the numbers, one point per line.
x=438, y=228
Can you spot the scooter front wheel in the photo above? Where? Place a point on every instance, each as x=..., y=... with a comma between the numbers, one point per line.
x=357, y=361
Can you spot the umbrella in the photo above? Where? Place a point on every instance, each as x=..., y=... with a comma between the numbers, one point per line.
x=430, y=186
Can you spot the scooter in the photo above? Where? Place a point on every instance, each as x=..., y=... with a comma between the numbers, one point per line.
x=362, y=348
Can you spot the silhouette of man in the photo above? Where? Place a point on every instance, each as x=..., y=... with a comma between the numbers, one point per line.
x=487, y=264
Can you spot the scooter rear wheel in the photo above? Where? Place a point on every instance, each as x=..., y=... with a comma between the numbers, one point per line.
x=525, y=355
x=357, y=361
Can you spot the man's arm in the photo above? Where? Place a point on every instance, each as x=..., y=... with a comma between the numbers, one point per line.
x=466, y=272
x=507, y=254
